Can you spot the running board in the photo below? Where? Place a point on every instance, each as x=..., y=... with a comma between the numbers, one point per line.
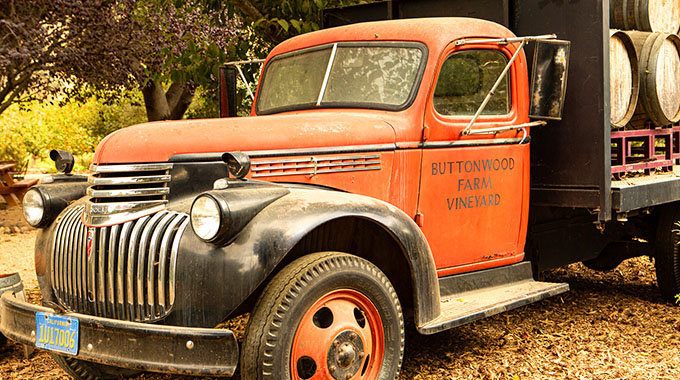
x=469, y=297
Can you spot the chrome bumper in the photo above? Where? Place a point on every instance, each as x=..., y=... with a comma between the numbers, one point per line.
x=134, y=345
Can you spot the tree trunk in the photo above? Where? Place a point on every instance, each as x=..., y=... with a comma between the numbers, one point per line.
x=155, y=102
x=170, y=105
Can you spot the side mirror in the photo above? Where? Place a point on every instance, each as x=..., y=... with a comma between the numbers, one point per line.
x=549, y=79
x=227, y=91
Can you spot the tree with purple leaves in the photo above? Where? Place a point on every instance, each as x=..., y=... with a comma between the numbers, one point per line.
x=81, y=48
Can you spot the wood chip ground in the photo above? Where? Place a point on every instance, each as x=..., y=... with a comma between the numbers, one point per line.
x=611, y=325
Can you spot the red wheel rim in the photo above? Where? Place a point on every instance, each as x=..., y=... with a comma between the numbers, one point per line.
x=342, y=335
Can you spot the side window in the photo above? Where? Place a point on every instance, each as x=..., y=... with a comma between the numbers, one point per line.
x=466, y=78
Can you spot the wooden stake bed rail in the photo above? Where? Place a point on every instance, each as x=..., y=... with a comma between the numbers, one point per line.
x=645, y=149
x=13, y=192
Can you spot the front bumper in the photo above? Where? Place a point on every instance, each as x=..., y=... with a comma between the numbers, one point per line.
x=140, y=346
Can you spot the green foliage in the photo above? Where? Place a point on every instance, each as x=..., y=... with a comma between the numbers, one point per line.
x=29, y=133
x=205, y=105
x=269, y=22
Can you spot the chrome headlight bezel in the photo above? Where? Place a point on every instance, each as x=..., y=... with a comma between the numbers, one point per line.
x=34, y=206
x=209, y=217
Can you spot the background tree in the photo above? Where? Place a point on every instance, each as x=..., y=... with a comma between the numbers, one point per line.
x=166, y=48
x=34, y=40
x=104, y=47
x=274, y=21
x=266, y=23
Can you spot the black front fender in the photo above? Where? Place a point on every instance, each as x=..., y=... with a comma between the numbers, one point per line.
x=214, y=280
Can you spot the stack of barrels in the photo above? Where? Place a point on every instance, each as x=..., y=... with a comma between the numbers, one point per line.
x=644, y=59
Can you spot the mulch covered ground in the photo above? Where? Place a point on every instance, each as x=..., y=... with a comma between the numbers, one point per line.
x=611, y=325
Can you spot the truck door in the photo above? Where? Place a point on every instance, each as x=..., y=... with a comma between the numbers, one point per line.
x=474, y=189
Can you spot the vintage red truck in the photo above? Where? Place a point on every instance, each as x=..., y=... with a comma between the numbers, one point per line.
x=368, y=189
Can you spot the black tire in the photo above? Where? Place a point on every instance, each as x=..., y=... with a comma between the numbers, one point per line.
x=307, y=288
x=83, y=370
x=667, y=254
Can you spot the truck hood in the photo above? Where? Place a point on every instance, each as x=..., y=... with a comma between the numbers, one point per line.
x=158, y=141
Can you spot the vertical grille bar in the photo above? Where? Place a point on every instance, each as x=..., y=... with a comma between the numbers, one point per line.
x=110, y=272
x=129, y=273
x=163, y=258
x=130, y=277
x=91, y=271
x=120, y=270
x=65, y=247
x=83, y=273
x=63, y=256
x=152, y=264
x=70, y=253
x=102, y=249
x=142, y=259
x=79, y=267
x=58, y=256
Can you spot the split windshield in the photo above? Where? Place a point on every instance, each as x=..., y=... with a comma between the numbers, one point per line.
x=369, y=75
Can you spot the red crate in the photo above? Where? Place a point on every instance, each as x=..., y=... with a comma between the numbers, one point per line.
x=645, y=149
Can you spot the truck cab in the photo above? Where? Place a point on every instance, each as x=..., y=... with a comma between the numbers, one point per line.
x=383, y=172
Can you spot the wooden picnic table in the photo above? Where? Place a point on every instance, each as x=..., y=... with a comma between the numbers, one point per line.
x=13, y=191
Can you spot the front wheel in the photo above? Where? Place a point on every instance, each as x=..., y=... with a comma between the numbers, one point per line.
x=328, y=315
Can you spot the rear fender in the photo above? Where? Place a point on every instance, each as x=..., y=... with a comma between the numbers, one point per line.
x=229, y=274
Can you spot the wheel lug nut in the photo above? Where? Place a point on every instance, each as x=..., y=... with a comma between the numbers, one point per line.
x=332, y=369
x=336, y=343
x=361, y=355
x=348, y=376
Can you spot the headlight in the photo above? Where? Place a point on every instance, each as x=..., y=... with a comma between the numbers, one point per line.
x=219, y=215
x=43, y=203
x=34, y=207
x=206, y=217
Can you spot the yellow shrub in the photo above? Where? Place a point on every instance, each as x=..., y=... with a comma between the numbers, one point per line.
x=30, y=133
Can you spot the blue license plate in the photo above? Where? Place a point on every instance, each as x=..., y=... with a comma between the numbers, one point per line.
x=56, y=333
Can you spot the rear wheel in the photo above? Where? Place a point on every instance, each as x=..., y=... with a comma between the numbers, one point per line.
x=325, y=316
x=83, y=370
x=667, y=255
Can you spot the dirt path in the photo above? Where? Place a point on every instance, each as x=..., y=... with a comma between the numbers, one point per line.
x=611, y=325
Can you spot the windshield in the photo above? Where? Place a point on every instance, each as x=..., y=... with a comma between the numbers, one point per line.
x=343, y=75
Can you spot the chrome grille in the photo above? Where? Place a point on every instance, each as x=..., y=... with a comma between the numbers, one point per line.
x=129, y=272
x=119, y=193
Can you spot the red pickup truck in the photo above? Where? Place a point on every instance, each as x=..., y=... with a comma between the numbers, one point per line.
x=381, y=179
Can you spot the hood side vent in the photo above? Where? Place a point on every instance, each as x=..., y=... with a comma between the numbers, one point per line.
x=315, y=165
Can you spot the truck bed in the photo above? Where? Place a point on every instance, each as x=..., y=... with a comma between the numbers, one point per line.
x=636, y=192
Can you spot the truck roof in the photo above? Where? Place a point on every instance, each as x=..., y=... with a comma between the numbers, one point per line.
x=436, y=33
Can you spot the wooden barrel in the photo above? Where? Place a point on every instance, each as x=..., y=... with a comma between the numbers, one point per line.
x=659, y=63
x=624, y=82
x=661, y=16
